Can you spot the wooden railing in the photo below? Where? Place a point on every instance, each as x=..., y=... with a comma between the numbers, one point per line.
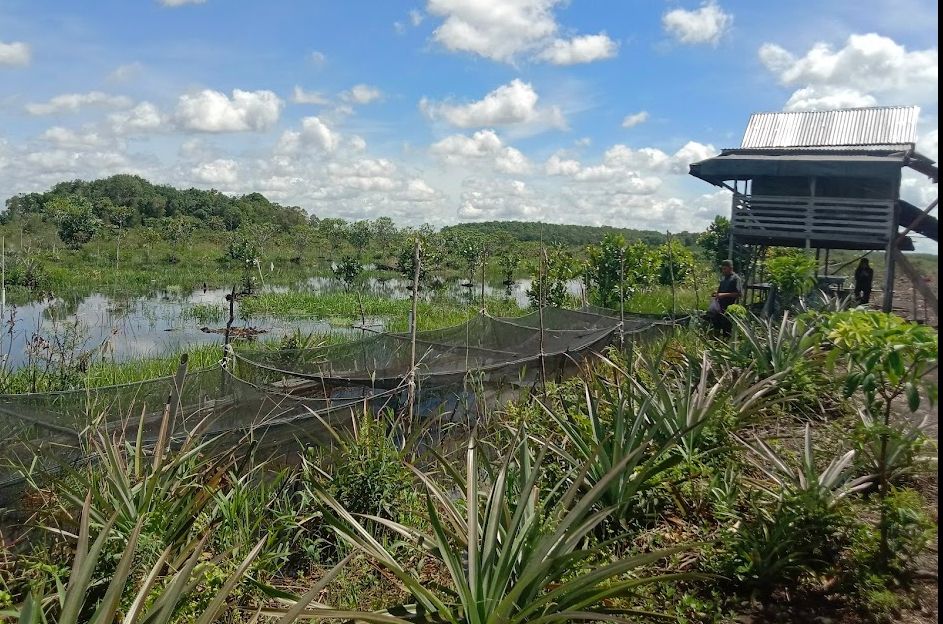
x=813, y=218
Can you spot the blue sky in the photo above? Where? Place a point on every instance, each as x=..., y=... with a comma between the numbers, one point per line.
x=585, y=111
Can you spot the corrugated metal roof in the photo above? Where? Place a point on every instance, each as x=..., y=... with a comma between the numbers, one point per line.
x=879, y=126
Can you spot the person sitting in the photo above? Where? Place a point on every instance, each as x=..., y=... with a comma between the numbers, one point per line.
x=728, y=293
x=864, y=278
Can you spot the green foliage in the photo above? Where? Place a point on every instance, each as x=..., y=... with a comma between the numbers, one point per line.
x=511, y=555
x=801, y=528
x=793, y=274
x=367, y=475
x=891, y=449
x=606, y=272
x=551, y=273
x=552, y=233
x=76, y=222
x=431, y=253
x=358, y=234
x=886, y=355
x=120, y=194
x=715, y=241
x=675, y=263
x=25, y=271
x=348, y=271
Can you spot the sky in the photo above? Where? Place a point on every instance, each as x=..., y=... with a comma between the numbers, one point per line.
x=441, y=111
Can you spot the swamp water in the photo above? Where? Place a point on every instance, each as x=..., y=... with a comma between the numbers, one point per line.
x=115, y=328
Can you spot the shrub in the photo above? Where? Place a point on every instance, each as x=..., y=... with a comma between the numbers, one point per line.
x=793, y=274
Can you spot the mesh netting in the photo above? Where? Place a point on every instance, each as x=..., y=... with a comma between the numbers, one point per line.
x=287, y=396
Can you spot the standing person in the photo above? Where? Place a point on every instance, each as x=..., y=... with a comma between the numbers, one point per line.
x=864, y=277
x=728, y=293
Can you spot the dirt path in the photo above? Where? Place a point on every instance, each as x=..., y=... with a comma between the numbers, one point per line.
x=926, y=588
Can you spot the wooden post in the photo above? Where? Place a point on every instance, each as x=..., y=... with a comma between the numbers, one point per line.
x=621, y=297
x=484, y=261
x=540, y=313
x=411, y=381
x=3, y=278
x=232, y=314
x=174, y=400
x=890, y=261
x=671, y=275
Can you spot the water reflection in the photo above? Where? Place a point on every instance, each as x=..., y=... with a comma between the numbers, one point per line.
x=121, y=328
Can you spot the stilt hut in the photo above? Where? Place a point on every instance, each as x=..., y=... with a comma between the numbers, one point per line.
x=826, y=180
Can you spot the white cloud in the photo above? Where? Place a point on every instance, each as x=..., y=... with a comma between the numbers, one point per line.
x=583, y=49
x=827, y=98
x=635, y=119
x=14, y=54
x=690, y=152
x=415, y=17
x=125, y=72
x=704, y=25
x=510, y=104
x=314, y=133
x=495, y=29
x=300, y=96
x=362, y=94
x=929, y=144
x=637, y=169
x=506, y=30
x=221, y=172
x=71, y=102
x=62, y=163
x=68, y=138
x=145, y=117
x=178, y=3
x=870, y=69
x=483, y=147
x=318, y=58
x=212, y=111
x=488, y=199
x=558, y=165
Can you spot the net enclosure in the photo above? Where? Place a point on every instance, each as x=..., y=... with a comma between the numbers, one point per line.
x=291, y=394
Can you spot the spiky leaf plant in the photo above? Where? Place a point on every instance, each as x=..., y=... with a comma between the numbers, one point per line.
x=513, y=553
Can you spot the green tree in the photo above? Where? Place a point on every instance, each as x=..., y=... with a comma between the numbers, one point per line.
x=177, y=231
x=358, y=234
x=605, y=271
x=715, y=241
x=886, y=358
x=303, y=237
x=348, y=271
x=675, y=261
x=551, y=274
x=75, y=220
x=793, y=274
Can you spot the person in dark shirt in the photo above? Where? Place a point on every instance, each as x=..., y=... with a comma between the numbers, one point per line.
x=728, y=293
x=864, y=277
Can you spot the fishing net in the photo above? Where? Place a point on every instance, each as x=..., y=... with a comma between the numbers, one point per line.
x=288, y=398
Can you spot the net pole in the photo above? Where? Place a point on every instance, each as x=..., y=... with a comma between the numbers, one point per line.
x=3, y=279
x=671, y=275
x=484, y=261
x=411, y=383
x=226, y=346
x=621, y=297
x=540, y=312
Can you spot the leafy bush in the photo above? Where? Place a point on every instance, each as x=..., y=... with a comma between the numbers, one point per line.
x=793, y=274
x=550, y=277
x=367, y=472
x=348, y=271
